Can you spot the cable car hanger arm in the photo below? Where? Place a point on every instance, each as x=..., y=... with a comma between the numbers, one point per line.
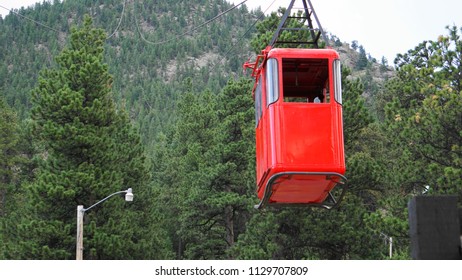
x=308, y=12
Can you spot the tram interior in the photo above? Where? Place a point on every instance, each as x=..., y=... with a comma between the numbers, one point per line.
x=305, y=80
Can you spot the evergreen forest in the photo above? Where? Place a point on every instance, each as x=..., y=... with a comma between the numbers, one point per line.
x=100, y=96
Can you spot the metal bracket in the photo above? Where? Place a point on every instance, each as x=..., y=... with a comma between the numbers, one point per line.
x=315, y=33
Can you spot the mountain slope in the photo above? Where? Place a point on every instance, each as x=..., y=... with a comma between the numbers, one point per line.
x=152, y=48
x=156, y=50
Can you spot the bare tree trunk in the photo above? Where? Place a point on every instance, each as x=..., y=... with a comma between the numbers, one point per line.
x=2, y=201
x=229, y=223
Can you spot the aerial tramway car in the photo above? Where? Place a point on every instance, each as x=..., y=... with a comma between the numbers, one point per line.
x=299, y=128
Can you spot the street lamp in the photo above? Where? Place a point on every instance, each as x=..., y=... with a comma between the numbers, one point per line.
x=389, y=240
x=81, y=211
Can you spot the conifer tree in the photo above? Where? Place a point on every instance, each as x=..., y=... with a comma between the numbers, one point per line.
x=236, y=151
x=189, y=178
x=422, y=125
x=9, y=160
x=8, y=152
x=210, y=174
x=91, y=151
x=423, y=116
x=362, y=59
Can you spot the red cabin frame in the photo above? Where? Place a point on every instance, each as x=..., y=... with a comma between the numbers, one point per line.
x=299, y=128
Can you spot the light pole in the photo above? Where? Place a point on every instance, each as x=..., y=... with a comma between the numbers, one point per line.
x=389, y=240
x=81, y=211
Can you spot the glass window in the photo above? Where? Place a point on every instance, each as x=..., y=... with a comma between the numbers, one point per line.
x=338, y=81
x=258, y=102
x=272, y=81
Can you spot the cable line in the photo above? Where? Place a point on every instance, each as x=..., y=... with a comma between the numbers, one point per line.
x=28, y=18
x=137, y=27
x=187, y=32
x=120, y=21
x=245, y=33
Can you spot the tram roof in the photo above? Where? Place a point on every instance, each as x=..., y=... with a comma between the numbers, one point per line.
x=303, y=53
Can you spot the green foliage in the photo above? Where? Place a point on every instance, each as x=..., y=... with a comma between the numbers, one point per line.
x=9, y=154
x=16, y=170
x=148, y=67
x=362, y=62
x=91, y=150
x=423, y=132
x=194, y=189
x=260, y=241
x=9, y=158
x=355, y=114
x=424, y=113
x=208, y=176
x=310, y=233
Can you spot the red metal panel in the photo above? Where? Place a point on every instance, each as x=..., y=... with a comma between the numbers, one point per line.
x=306, y=137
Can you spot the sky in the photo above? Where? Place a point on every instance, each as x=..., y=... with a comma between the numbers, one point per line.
x=383, y=27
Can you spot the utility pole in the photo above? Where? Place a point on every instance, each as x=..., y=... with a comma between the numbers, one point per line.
x=391, y=247
x=79, y=247
x=389, y=240
x=81, y=212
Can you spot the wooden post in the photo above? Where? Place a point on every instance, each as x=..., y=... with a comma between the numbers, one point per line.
x=79, y=245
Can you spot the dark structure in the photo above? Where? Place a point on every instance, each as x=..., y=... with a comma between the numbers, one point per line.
x=435, y=230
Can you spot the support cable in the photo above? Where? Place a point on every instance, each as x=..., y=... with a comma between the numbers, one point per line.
x=245, y=33
x=187, y=32
x=28, y=18
x=120, y=21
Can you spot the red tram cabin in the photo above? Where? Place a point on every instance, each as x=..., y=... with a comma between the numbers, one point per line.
x=299, y=128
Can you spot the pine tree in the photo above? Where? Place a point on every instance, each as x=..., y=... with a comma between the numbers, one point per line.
x=190, y=175
x=236, y=150
x=424, y=116
x=91, y=151
x=9, y=139
x=362, y=59
x=422, y=128
x=9, y=161
x=208, y=179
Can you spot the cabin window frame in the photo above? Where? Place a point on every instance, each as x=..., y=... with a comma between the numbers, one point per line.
x=272, y=81
x=337, y=72
x=296, y=84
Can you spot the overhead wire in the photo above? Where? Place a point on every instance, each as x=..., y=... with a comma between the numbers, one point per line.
x=136, y=21
x=136, y=24
x=187, y=32
x=245, y=33
x=30, y=19
x=163, y=41
x=120, y=21
x=55, y=30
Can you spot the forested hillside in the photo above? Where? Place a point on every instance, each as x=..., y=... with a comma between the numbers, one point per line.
x=150, y=95
x=152, y=47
